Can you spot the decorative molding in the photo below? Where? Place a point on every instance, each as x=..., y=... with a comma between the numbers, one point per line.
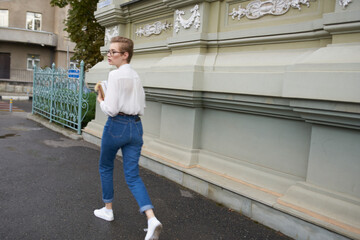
x=223, y=101
x=344, y=3
x=155, y=28
x=257, y=9
x=193, y=20
x=340, y=114
x=216, y=40
x=111, y=32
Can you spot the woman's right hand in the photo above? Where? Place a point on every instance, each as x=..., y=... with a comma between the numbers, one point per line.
x=99, y=97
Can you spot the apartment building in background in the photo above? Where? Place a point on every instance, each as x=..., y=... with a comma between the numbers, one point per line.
x=31, y=33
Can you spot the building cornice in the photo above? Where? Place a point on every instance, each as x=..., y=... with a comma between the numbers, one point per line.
x=174, y=4
x=235, y=38
x=312, y=111
x=350, y=22
x=131, y=12
x=138, y=12
x=110, y=16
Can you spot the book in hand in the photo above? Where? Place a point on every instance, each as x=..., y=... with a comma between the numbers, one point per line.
x=101, y=88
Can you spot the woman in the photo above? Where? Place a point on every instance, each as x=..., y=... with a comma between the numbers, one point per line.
x=123, y=103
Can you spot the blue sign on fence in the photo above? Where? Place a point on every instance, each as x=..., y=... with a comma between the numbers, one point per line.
x=74, y=73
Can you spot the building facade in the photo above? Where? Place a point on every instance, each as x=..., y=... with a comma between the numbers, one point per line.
x=252, y=103
x=31, y=33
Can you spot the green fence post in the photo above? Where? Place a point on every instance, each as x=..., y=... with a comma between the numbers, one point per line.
x=81, y=79
x=52, y=88
x=34, y=84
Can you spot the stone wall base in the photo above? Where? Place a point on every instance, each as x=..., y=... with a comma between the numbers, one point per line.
x=276, y=219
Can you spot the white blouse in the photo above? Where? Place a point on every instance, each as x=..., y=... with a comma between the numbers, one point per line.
x=124, y=93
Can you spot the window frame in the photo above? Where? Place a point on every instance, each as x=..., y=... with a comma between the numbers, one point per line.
x=33, y=59
x=7, y=15
x=33, y=21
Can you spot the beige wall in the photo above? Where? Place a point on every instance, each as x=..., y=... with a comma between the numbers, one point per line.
x=19, y=53
x=60, y=58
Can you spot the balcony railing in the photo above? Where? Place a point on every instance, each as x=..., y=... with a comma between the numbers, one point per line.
x=20, y=75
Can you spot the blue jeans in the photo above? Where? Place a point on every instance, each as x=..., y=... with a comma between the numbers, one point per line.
x=123, y=132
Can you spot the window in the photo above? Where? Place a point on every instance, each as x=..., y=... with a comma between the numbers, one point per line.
x=33, y=21
x=4, y=18
x=33, y=60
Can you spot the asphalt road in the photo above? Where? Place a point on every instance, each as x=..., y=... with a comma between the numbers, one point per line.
x=49, y=187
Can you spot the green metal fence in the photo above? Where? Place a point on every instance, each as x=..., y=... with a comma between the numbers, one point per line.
x=59, y=96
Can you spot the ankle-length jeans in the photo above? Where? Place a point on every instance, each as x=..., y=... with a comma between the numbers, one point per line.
x=125, y=133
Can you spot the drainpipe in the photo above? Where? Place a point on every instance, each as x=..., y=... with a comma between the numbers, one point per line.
x=67, y=57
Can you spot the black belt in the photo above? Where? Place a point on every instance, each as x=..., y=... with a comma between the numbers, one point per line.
x=124, y=114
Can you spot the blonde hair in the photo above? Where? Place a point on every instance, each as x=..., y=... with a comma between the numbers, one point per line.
x=127, y=45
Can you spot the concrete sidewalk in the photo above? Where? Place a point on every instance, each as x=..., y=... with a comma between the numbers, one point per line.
x=50, y=186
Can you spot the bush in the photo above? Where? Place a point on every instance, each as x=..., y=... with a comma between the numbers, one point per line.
x=90, y=115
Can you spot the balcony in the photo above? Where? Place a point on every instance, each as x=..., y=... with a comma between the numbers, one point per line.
x=19, y=75
x=9, y=34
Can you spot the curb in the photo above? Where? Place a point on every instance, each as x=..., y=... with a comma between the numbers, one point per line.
x=15, y=98
x=62, y=130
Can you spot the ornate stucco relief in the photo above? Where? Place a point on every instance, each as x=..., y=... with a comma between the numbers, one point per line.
x=111, y=32
x=155, y=28
x=257, y=8
x=193, y=20
x=344, y=3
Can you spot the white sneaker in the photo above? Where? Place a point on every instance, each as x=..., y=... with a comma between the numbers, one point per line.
x=104, y=213
x=154, y=229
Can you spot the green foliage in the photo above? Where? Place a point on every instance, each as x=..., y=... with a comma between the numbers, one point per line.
x=90, y=115
x=83, y=30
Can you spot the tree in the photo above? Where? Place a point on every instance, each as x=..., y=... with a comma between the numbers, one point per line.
x=83, y=30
